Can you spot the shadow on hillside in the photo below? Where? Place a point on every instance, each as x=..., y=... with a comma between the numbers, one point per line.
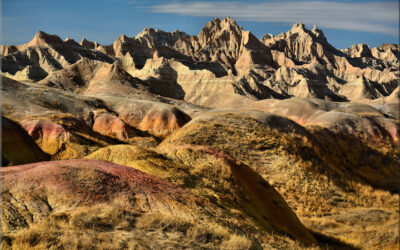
x=348, y=159
x=327, y=242
x=214, y=67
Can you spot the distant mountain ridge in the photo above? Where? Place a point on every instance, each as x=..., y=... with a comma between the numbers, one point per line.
x=298, y=63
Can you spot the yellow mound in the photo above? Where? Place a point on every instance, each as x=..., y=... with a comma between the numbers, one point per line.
x=142, y=159
x=211, y=174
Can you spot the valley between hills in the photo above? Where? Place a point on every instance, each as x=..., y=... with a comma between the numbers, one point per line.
x=219, y=140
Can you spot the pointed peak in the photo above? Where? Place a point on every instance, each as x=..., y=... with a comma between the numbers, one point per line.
x=227, y=23
x=123, y=38
x=298, y=27
x=87, y=44
x=249, y=40
x=317, y=32
x=216, y=19
x=216, y=22
x=84, y=40
x=43, y=39
x=147, y=31
x=315, y=28
x=71, y=42
x=230, y=20
x=68, y=39
x=144, y=32
x=41, y=33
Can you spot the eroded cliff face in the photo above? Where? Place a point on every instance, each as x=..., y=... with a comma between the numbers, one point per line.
x=223, y=116
x=298, y=63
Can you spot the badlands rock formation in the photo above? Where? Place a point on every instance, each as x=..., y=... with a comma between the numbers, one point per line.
x=298, y=63
x=222, y=140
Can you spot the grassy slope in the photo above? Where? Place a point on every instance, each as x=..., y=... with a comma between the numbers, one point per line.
x=320, y=180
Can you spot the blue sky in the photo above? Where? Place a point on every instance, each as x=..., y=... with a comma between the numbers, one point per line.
x=344, y=22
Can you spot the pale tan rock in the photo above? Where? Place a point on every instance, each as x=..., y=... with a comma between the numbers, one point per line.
x=300, y=62
x=110, y=125
x=358, y=50
x=360, y=88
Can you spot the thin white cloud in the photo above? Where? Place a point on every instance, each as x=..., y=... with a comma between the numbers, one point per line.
x=381, y=17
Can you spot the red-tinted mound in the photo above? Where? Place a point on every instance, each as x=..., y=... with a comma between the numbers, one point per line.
x=47, y=134
x=71, y=183
x=111, y=180
x=158, y=119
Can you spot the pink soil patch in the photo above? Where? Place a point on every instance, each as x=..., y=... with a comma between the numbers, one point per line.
x=90, y=181
x=44, y=129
